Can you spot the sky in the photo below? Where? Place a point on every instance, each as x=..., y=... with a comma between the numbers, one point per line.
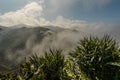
x=54, y=12
x=107, y=11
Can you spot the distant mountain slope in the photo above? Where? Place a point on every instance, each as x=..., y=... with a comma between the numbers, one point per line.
x=13, y=42
x=18, y=42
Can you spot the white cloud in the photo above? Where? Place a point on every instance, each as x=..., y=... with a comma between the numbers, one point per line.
x=67, y=23
x=27, y=15
x=32, y=13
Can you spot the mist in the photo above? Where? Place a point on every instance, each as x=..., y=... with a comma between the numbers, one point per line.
x=27, y=31
x=18, y=43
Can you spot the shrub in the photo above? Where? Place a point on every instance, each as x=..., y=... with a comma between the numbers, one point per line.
x=94, y=56
x=48, y=67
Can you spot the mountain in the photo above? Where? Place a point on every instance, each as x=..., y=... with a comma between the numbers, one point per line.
x=19, y=41
x=13, y=42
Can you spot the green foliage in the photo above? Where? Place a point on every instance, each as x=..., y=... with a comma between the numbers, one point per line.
x=49, y=67
x=93, y=59
x=52, y=66
x=93, y=55
x=73, y=71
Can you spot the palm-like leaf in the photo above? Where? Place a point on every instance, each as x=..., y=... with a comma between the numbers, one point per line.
x=92, y=55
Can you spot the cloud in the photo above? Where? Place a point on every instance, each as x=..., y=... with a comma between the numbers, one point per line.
x=27, y=15
x=32, y=15
x=33, y=12
x=82, y=25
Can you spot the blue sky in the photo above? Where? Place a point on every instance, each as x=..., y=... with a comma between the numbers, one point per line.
x=11, y=5
x=107, y=11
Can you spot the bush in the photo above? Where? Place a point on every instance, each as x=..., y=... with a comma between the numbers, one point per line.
x=49, y=67
x=94, y=56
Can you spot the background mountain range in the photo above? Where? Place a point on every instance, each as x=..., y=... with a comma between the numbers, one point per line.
x=20, y=41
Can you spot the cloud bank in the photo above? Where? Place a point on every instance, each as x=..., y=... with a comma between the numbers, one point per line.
x=32, y=14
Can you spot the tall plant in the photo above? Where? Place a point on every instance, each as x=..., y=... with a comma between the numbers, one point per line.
x=48, y=67
x=94, y=56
